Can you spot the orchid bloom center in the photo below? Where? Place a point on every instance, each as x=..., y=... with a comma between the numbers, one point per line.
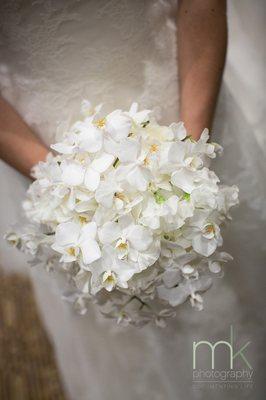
x=109, y=280
x=146, y=161
x=122, y=246
x=82, y=219
x=81, y=157
x=154, y=148
x=209, y=229
x=71, y=251
x=100, y=123
x=120, y=196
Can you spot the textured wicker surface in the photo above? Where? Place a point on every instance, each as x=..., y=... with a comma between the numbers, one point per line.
x=27, y=365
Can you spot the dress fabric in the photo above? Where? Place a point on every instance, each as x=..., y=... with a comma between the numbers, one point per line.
x=56, y=53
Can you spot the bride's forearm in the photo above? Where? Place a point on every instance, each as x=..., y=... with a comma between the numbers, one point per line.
x=202, y=41
x=19, y=146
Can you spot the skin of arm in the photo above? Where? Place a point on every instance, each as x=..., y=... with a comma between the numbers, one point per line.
x=202, y=43
x=19, y=146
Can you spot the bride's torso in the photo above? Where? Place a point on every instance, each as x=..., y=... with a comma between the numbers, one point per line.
x=55, y=53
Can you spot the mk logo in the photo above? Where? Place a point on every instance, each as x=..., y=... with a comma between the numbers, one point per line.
x=229, y=345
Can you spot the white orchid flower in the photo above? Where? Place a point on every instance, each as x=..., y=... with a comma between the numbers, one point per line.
x=178, y=155
x=204, y=233
x=88, y=110
x=188, y=180
x=110, y=271
x=227, y=197
x=203, y=197
x=85, y=136
x=177, y=131
x=167, y=214
x=118, y=125
x=188, y=287
x=48, y=172
x=77, y=199
x=132, y=165
x=93, y=172
x=105, y=193
x=75, y=173
x=137, y=175
x=89, y=137
x=216, y=260
x=139, y=117
x=134, y=170
x=209, y=149
x=132, y=242
x=72, y=173
x=126, y=150
x=27, y=238
x=77, y=242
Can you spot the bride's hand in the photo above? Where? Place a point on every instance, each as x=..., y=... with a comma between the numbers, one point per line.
x=19, y=146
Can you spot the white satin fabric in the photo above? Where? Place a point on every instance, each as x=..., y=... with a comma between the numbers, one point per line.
x=54, y=54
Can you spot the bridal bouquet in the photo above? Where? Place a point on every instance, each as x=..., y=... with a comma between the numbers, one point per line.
x=131, y=212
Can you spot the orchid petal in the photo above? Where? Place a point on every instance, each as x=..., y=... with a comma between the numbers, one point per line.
x=67, y=233
x=91, y=179
x=109, y=232
x=73, y=174
x=90, y=251
x=103, y=162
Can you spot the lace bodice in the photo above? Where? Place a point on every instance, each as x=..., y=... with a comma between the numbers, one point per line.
x=55, y=53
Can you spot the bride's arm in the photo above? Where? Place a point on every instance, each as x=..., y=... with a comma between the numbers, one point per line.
x=19, y=146
x=202, y=41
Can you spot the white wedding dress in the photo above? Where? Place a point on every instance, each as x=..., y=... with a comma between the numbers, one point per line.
x=56, y=53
